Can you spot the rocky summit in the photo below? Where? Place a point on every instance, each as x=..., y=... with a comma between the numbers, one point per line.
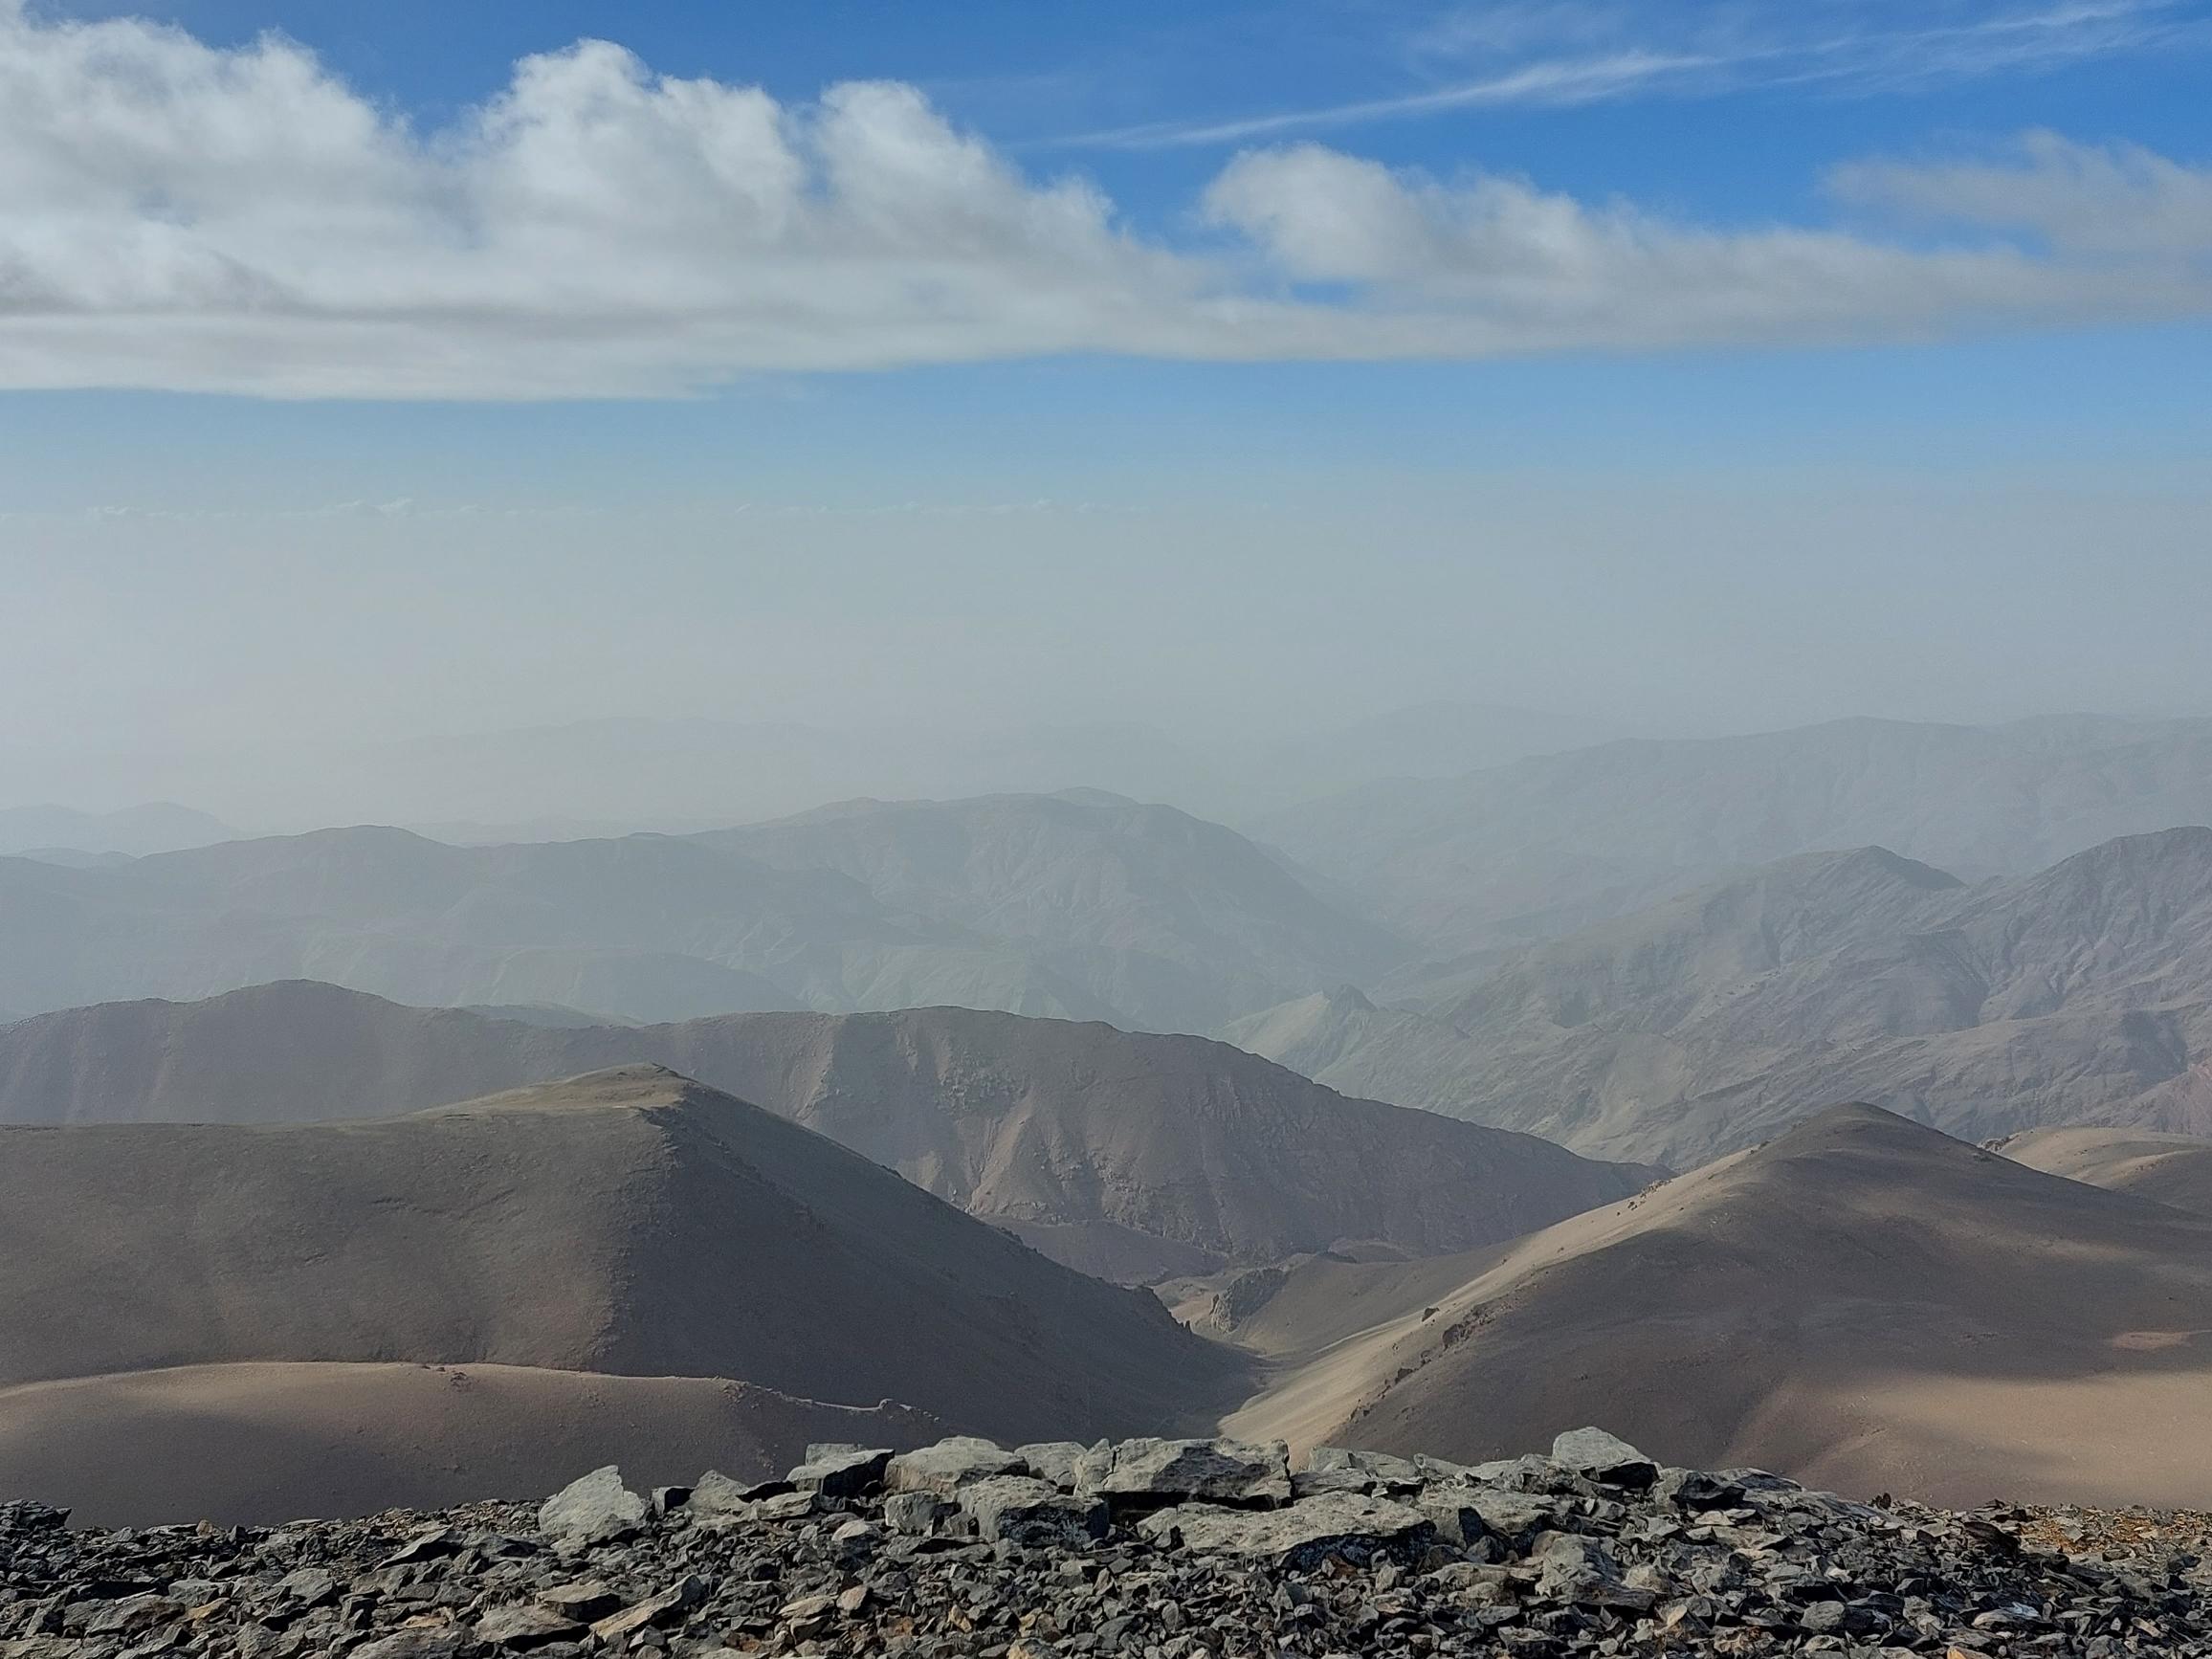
x=1162, y=1549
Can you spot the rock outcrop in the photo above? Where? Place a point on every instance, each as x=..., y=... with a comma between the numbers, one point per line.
x=1593, y=1550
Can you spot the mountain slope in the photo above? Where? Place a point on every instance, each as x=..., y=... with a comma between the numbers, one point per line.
x=1863, y=1303
x=1531, y=851
x=629, y=1221
x=1085, y=908
x=2082, y=993
x=1125, y=1154
x=2170, y=1169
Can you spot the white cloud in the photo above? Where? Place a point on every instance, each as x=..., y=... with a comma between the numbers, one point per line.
x=2080, y=199
x=175, y=215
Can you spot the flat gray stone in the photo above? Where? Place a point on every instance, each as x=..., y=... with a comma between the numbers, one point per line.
x=527, y=1625
x=1135, y=1472
x=841, y=1470
x=1053, y=1460
x=950, y=1464
x=596, y=1505
x=1301, y=1536
x=1019, y=1508
x=1606, y=1458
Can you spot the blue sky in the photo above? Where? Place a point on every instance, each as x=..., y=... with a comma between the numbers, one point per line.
x=1311, y=288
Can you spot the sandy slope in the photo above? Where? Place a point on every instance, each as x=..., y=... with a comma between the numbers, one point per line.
x=1122, y=1154
x=628, y=1222
x=1864, y=1302
x=259, y=1444
x=2175, y=1169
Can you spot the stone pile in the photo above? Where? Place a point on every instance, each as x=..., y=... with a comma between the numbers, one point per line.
x=1154, y=1549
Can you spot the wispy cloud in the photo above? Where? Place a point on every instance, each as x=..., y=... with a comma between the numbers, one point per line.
x=1556, y=81
x=181, y=216
x=1575, y=53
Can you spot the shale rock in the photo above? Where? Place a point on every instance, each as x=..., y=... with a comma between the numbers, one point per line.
x=1204, y=1556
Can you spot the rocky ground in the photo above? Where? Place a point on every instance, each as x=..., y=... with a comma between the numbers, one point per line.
x=1156, y=1549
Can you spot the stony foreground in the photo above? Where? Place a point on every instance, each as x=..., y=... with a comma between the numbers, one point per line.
x=1160, y=1549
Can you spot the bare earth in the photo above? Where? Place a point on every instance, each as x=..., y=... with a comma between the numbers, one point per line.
x=258, y=1445
x=1864, y=1303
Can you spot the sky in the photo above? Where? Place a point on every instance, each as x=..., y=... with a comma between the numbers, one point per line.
x=369, y=372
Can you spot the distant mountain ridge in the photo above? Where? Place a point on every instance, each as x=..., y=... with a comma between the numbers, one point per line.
x=1086, y=905
x=2080, y=994
x=158, y=827
x=1540, y=848
x=1124, y=1155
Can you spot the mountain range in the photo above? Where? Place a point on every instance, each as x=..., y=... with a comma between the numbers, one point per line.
x=1084, y=905
x=158, y=827
x=2078, y=994
x=1124, y=1154
x=1513, y=854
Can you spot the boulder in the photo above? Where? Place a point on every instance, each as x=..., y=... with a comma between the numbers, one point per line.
x=1020, y=1509
x=949, y=1465
x=840, y=1471
x=1053, y=1460
x=917, y=1515
x=1301, y=1536
x=595, y=1506
x=717, y=1494
x=524, y=1627
x=665, y=1608
x=1380, y=1466
x=1136, y=1474
x=1604, y=1458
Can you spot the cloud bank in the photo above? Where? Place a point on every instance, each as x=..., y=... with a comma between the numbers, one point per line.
x=178, y=216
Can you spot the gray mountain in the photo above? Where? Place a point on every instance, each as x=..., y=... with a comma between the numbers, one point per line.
x=2082, y=994
x=630, y=1222
x=1159, y=914
x=1088, y=907
x=1538, y=849
x=158, y=827
x=1129, y=1155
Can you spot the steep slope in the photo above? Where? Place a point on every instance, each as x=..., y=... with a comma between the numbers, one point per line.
x=1177, y=923
x=1124, y=1154
x=262, y=1444
x=2081, y=994
x=629, y=1221
x=2170, y=1169
x=1083, y=908
x=1863, y=1303
x=1531, y=851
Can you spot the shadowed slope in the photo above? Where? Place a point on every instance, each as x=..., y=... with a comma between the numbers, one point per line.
x=1864, y=1302
x=630, y=1222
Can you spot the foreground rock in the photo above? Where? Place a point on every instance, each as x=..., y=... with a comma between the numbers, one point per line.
x=1154, y=1549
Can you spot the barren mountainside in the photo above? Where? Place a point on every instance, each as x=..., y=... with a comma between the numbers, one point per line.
x=629, y=1221
x=1128, y=1155
x=2080, y=994
x=1864, y=1302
